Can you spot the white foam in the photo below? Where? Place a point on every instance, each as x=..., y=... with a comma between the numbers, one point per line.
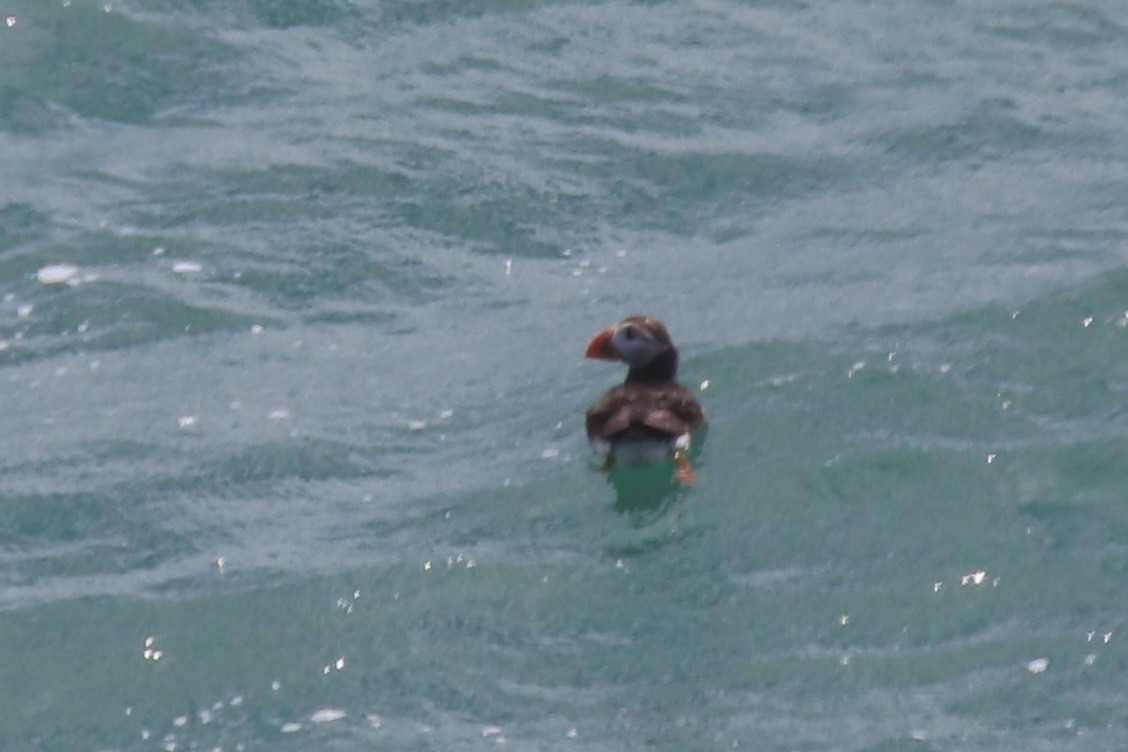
x=328, y=715
x=56, y=274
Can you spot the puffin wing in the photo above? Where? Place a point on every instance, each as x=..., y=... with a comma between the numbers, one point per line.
x=672, y=411
x=609, y=416
x=664, y=420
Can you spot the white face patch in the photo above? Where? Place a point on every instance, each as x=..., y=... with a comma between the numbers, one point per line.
x=635, y=344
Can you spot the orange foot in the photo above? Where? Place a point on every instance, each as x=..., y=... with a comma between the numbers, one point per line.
x=684, y=470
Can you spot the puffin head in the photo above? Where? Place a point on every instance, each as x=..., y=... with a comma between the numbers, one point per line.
x=636, y=340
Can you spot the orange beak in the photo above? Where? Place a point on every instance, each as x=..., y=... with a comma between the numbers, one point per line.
x=600, y=346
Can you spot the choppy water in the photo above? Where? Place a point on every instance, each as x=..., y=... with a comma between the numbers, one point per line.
x=291, y=453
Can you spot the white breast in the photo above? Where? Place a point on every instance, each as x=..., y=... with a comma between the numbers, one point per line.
x=640, y=451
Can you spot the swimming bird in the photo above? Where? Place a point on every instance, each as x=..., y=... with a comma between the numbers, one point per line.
x=650, y=415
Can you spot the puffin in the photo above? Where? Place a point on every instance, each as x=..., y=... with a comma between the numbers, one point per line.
x=650, y=416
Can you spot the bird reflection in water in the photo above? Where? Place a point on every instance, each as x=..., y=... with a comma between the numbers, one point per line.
x=646, y=493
